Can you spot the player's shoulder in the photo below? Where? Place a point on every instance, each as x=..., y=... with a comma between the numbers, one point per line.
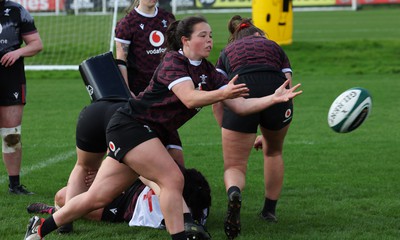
x=130, y=19
x=174, y=56
x=14, y=8
x=166, y=14
x=270, y=42
x=14, y=5
x=173, y=61
x=133, y=14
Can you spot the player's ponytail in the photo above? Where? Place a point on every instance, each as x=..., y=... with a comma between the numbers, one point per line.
x=239, y=27
x=232, y=25
x=173, y=42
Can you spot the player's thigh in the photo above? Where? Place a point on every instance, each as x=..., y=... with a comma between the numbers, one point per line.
x=274, y=139
x=11, y=116
x=177, y=155
x=151, y=160
x=111, y=180
x=13, y=84
x=89, y=160
x=236, y=146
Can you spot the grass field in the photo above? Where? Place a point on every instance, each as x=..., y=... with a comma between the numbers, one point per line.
x=337, y=186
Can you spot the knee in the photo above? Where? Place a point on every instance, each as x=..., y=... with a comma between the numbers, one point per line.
x=273, y=153
x=237, y=166
x=273, y=150
x=59, y=198
x=11, y=138
x=177, y=181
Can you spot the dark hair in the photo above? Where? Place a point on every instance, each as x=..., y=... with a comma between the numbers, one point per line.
x=197, y=193
x=242, y=27
x=179, y=29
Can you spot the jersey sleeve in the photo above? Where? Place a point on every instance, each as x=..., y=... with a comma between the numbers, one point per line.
x=222, y=64
x=219, y=79
x=123, y=32
x=27, y=22
x=173, y=70
x=286, y=67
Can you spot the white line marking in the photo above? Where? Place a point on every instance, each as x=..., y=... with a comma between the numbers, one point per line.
x=64, y=156
x=59, y=158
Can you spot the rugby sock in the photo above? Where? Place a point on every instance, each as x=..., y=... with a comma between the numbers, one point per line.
x=233, y=189
x=47, y=226
x=14, y=181
x=187, y=218
x=179, y=236
x=269, y=206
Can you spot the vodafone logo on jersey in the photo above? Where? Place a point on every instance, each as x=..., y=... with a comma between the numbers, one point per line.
x=156, y=38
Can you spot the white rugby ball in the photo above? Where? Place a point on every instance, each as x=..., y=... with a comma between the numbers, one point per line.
x=349, y=110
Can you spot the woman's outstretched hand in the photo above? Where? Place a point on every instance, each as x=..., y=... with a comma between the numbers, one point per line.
x=233, y=90
x=282, y=94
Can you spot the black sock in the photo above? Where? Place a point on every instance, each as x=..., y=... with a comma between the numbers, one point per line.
x=269, y=206
x=187, y=218
x=14, y=181
x=233, y=189
x=48, y=226
x=179, y=236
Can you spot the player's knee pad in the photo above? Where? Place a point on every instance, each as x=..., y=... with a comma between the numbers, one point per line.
x=11, y=138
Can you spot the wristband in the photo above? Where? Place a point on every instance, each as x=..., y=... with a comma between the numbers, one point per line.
x=120, y=62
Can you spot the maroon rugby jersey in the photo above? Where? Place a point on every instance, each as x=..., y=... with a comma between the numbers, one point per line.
x=158, y=107
x=146, y=38
x=250, y=53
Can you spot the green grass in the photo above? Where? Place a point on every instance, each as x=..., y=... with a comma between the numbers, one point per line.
x=337, y=186
x=69, y=39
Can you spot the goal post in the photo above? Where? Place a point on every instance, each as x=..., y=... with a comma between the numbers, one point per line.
x=218, y=6
x=72, y=30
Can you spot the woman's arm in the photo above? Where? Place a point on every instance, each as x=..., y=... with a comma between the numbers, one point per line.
x=33, y=45
x=193, y=98
x=247, y=106
x=121, y=52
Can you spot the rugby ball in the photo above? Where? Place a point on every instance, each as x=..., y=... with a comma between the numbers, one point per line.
x=349, y=110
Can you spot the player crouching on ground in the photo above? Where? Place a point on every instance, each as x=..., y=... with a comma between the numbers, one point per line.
x=133, y=205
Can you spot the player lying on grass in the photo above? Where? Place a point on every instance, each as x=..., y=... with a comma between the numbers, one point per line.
x=139, y=204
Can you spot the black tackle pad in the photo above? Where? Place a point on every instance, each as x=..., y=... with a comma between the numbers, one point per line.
x=103, y=79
